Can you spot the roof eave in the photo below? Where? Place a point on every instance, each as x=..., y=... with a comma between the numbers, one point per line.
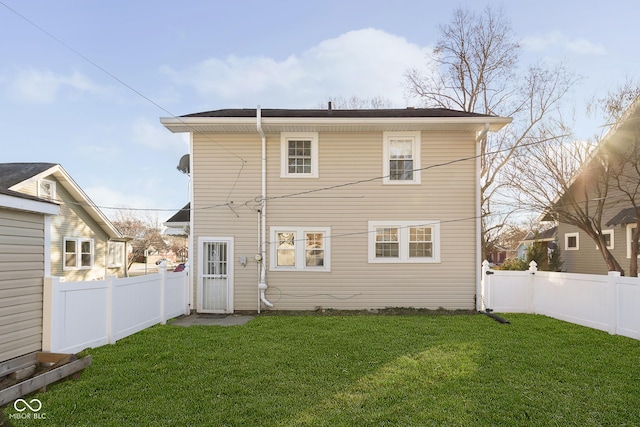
x=280, y=124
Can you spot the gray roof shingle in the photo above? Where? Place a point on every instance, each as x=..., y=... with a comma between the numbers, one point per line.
x=319, y=113
x=14, y=173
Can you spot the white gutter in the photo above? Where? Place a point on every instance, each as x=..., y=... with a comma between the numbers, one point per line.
x=262, y=281
x=479, y=290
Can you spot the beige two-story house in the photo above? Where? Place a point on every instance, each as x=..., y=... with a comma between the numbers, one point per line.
x=343, y=209
x=84, y=244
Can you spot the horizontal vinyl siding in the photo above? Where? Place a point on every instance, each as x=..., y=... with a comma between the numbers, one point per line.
x=588, y=259
x=447, y=194
x=75, y=222
x=227, y=170
x=21, y=282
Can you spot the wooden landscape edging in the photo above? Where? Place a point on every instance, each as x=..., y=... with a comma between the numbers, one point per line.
x=67, y=366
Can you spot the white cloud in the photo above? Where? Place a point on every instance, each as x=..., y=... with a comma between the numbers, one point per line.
x=365, y=63
x=556, y=39
x=44, y=87
x=155, y=136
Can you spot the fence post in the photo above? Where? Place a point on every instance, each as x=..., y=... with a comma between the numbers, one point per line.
x=613, y=301
x=163, y=277
x=533, y=269
x=110, y=281
x=485, y=292
x=187, y=285
x=47, y=315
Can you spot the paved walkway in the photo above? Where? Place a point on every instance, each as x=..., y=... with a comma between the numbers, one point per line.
x=212, y=320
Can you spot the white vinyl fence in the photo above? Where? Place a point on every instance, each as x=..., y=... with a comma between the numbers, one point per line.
x=610, y=303
x=79, y=315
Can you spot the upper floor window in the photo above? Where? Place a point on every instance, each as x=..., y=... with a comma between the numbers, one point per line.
x=572, y=241
x=300, y=248
x=299, y=155
x=404, y=241
x=78, y=253
x=401, y=158
x=47, y=189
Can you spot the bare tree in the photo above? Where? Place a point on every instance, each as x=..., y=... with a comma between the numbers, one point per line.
x=621, y=147
x=356, y=103
x=144, y=230
x=474, y=68
x=568, y=181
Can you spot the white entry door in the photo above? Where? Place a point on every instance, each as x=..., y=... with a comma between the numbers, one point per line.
x=215, y=275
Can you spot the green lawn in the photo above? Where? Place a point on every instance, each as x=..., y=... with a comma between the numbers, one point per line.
x=361, y=370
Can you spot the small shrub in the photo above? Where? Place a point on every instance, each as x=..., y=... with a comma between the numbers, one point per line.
x=514, y=264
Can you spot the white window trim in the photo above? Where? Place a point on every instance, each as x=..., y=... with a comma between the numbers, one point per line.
x=611, y=234
x=78, y=265
x=630, y=228
x=417, y=165
x=566, y=241
x=284, y=154
x=300, y=239
x=403, y=239
x=50, y=197
x=118, y=253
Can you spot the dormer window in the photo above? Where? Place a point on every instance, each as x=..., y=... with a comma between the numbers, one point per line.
x=47, y=189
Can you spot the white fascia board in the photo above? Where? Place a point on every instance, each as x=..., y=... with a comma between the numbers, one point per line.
x=19, y=203
x=194, y=124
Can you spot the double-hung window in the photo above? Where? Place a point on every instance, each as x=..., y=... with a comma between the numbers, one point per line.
x=78, y=253
x=299, y=155
x=404, y=241
x=300, y=248
x=401, y=158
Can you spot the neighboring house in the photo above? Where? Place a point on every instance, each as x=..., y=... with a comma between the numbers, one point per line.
x=579, y=252
x=178, y=224
x=344, y=209
x=24, y=257
x=548, y=238
x=84, y=243
x=498, y=254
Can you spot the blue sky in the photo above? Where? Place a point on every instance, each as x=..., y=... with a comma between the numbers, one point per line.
x=89, y=94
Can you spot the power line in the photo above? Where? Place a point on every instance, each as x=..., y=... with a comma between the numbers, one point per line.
x=122, y=82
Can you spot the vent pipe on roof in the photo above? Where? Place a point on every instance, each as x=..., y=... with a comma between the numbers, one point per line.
x=329, y=107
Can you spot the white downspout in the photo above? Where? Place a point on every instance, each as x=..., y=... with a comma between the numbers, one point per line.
x=479, y=290
x=262, y=281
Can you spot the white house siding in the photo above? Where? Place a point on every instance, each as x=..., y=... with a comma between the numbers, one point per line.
x=447, y=194
x=75, y=222
x=21, y=282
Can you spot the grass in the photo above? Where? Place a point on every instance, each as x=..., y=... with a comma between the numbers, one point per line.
x=356, y=371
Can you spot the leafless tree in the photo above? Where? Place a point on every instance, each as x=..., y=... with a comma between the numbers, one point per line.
x=568, y=181
x=144, y=229
x=474, y=68
x=622, y=151
x=356, y=103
